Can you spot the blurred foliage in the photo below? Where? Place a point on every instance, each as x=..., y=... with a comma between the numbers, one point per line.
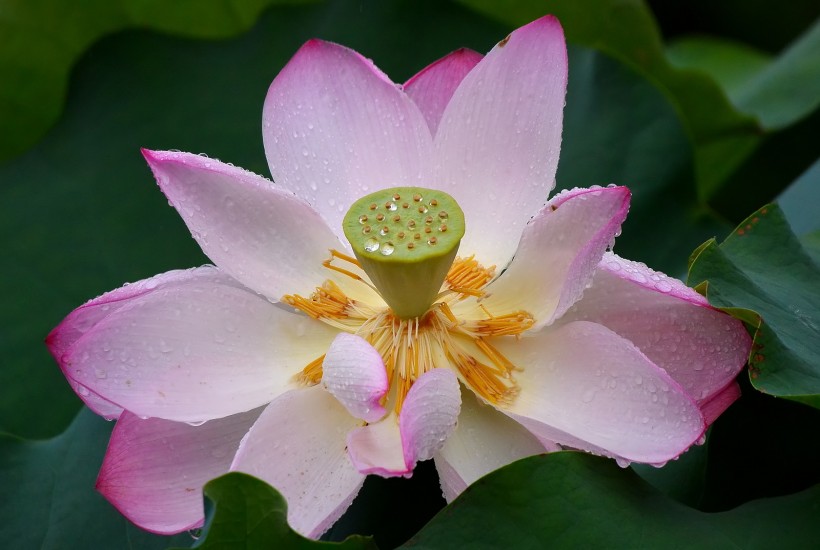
x=79, y=215
x=40, y=40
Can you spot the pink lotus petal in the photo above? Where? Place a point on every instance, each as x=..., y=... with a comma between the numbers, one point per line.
x=201, y=348
x=432, y=87
x=264, y=237
x=429, y=415
x=353, y=372
x=559, y=252
x=484, y=440
x=85, y=317
x=700, y=347
x=715, y=405
x=336, y=128
x=499, y=138
x=584, y=386
x=97, y=404
x=298, y=446
x=154, y=469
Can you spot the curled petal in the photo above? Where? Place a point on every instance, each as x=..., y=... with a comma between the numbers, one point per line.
x=584, y=386
x=266, y=238
x=201, y=348
x=559, y=252
x=432, y=87
x=154, y=469
x=497, y=145
x=428, y=416
x=353, y=372
x=298, y=446
x=702, y=348
x=336, y=128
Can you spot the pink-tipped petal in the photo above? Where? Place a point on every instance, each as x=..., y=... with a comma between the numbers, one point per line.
x=353, y=372
x=702, y=348
x=298, y=446
x=559, y=252
x=204, y=347
x=484, y=440
x=429, y=415
x=584, y=386
x=264, y=237
x=432, y=87
x=336, y=128
x=497, y=145
x=85, y=317
x=154, y=470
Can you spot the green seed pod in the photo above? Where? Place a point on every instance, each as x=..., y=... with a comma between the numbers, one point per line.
x=405, y=239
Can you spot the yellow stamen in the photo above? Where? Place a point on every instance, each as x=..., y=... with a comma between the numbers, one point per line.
x=467, y=276
x=439, y=338
x=312, y=373
x=511, y=324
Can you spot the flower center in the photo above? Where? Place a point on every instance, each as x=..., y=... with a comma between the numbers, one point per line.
x=405, y=239
x=435, y=318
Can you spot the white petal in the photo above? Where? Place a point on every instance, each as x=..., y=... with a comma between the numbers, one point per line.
x=203, y=348
x=353, y=372
x=377, y=449
x=484, y=440
x=584, y=386
x=499, y=138
x=298, y=446
x=264, y=237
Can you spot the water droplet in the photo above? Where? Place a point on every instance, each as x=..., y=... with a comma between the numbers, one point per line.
x=371, y=245
x=387, y=248
x=391, y=206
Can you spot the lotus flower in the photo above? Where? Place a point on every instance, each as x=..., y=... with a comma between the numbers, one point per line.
x=458, y=316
